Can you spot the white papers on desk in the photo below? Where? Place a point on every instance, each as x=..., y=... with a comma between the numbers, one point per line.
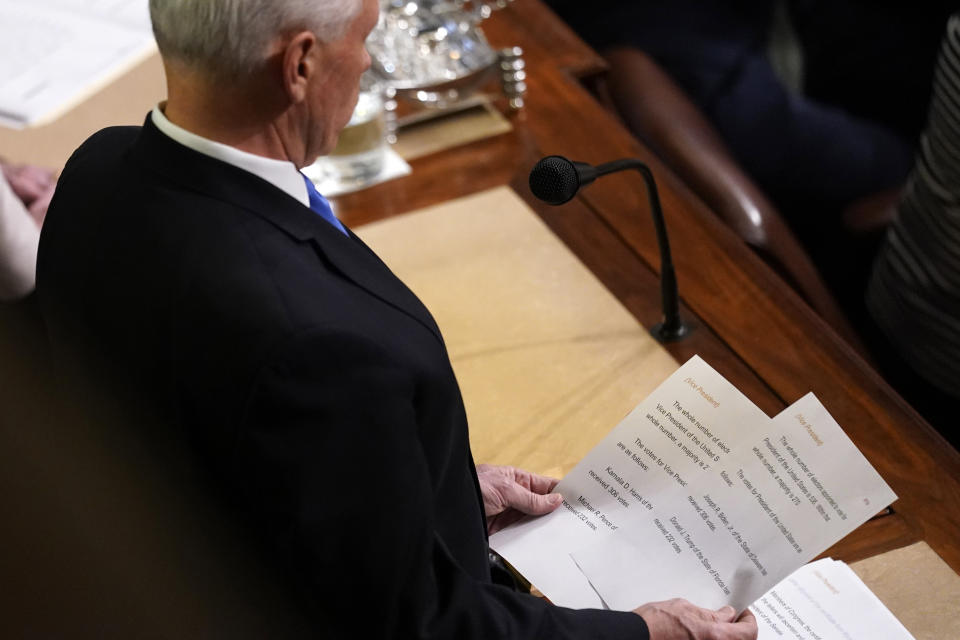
x=697, y=494
x=824, y=600
x=55, y=53
x=620, y=487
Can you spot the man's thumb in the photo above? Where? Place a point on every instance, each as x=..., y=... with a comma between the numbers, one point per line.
x=726, y=613
x=533, y=503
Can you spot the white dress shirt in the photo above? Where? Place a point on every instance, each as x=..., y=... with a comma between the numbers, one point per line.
x=280, y=173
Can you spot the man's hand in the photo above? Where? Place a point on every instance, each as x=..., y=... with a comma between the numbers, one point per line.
x=510, y=493
x=33, y=185
x=679, y=620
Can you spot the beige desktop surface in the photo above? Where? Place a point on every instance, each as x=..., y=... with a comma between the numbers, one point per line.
x=919, y=588
x=547, y=359
x=124, y=101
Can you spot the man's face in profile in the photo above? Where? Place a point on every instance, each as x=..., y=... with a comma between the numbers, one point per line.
x=334, y=95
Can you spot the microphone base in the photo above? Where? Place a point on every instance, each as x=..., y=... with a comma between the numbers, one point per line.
x=672, y=333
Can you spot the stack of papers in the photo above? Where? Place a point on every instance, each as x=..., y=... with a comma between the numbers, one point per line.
x=824, y=600
x=697, y=494
x=55, y=53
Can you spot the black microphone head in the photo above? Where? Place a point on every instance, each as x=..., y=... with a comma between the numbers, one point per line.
x=554, y=180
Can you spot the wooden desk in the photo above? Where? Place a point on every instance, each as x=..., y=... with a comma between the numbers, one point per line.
x=747, y=323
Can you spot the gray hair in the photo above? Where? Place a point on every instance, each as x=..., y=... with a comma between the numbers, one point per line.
x=231, y=38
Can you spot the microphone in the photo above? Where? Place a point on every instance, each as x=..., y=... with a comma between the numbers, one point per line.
x=555, y=180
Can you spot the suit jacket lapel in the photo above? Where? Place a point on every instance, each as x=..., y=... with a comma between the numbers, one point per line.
x=361, y=265
x=349, y=255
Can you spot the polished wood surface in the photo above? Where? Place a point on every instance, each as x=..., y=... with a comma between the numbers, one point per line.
x=125, y=101
x=747, y=323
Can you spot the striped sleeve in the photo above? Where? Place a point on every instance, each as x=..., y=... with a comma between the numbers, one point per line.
x=914, y=291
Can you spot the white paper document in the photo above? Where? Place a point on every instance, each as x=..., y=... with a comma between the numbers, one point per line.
x=697, y=494
x=824, y=600
x=57, y=52
x=651, y=456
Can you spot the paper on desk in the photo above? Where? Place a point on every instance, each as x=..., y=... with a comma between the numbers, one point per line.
x=683, y=431
x=55, y=53
x=798, y=486
x=824, y=600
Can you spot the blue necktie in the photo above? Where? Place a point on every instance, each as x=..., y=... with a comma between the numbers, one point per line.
x=320, y=206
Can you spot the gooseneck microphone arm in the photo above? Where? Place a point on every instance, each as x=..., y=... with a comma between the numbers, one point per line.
x=672, y=328
x=556, y=180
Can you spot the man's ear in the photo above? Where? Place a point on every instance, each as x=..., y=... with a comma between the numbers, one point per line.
x=299, y=64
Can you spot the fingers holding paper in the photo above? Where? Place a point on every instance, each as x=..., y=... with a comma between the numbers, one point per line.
x=678, y=619
x=510, y=493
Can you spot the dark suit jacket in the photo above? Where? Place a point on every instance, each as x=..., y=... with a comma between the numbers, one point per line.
x=315, y=385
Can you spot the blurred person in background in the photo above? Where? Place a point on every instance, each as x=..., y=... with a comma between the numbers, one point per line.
x=844, y=130
x=25, y=193
x=914, y=292
x=812, y=157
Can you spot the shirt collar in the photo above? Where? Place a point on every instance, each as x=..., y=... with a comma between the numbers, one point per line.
x=280, y=173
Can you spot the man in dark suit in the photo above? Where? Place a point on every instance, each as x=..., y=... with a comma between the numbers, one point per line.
x=189, y=263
